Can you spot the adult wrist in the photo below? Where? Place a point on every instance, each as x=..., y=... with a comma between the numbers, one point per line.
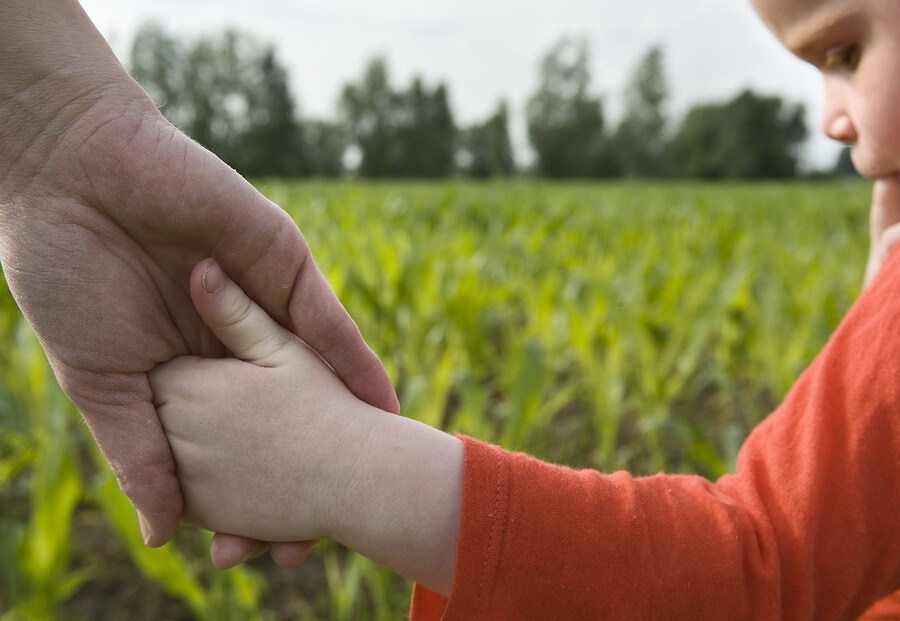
x=54, y=69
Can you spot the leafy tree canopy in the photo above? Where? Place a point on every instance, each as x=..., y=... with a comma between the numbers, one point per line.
x=749, y=137
x=565, y=122
x=485, y=148
x=228, y=92
x=641, y=136
x=407, y=133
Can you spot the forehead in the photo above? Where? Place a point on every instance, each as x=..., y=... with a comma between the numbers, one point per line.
x=794, y=22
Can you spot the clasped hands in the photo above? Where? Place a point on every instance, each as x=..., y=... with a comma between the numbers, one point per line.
x=105, y=209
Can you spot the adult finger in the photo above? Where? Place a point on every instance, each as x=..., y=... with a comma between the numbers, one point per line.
x=262, y=249
x=324, y=324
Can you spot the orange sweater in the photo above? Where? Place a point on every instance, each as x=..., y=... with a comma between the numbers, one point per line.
x=808, y=527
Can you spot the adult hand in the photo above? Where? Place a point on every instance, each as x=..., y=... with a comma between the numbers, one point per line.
x=104, y=210
x=884, y=224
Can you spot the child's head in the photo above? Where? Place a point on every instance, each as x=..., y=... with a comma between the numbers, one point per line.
x=855, y=44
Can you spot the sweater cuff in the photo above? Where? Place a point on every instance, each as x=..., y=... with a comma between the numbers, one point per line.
x=481, y=532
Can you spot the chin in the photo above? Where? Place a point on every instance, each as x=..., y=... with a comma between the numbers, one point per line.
x=874, y=165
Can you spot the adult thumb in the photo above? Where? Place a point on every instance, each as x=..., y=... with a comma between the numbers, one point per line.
x=236, y=320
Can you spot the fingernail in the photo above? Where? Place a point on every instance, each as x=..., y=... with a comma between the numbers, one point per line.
x=146, y=533
x=253, y=554
x=213, y=278
x=248, y=557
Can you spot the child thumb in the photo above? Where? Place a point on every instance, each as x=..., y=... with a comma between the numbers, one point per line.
x=236, y=320
x=885, y=211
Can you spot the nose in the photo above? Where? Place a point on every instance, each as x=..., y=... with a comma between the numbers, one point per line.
x=836, y=120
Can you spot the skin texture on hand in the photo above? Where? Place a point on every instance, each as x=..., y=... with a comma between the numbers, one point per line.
x=240, y=478
x=271, y=445
x=105, y=208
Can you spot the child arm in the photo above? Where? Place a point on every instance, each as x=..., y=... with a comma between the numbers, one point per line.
x=806, y=528
x=271, y=445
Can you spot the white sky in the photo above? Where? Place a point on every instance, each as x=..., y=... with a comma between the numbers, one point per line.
x=488, y=49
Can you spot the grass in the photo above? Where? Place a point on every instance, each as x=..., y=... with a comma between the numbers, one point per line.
x=639, y=326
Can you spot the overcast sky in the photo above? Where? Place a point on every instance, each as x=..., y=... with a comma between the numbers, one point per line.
x=489, y=49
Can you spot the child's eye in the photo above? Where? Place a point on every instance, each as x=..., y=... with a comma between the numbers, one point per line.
x=841, y=58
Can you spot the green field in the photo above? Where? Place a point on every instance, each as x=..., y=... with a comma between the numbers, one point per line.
x=638, y=326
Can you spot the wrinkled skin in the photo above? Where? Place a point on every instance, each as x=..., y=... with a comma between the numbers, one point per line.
x=104, y=210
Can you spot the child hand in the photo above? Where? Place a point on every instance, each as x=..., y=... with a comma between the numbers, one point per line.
x=884, y=225
x=260, y=440
x=271, y=446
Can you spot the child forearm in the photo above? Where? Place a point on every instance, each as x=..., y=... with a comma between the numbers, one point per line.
x=402, y=507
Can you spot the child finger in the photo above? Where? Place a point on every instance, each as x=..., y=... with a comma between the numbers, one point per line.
x=227, y=550
x=881, y=249
x=172, y=378
x=885, y=206
x=287, y=554
x=238, y=322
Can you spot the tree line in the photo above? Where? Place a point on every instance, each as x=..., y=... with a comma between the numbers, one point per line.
x=230, y=92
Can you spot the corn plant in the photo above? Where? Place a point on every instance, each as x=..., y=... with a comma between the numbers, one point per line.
x=646, y=327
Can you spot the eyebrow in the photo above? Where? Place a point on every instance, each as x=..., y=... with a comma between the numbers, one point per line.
x=808, y=36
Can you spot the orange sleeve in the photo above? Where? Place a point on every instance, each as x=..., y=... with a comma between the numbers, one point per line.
x=808, y=527
x=887, y=609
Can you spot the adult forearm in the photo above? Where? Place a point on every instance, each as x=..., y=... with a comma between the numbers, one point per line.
x=54, y=65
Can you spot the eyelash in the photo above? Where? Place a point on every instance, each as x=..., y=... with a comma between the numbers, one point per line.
x=844, y=57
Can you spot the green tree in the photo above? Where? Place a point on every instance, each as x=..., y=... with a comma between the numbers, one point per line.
x=368, y=113
x=844, y=166
x=641, y=136
x=749, y=137
x=216, y=93
x=226, y=91
x=485, y=149
x=426, y=131
x=158, y=62
x=399, y=133
x=565, y=122
x=272, y=143
x=324, y=146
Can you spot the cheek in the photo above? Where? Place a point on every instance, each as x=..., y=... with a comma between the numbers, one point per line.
x=878, y=119
x=882, y=126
